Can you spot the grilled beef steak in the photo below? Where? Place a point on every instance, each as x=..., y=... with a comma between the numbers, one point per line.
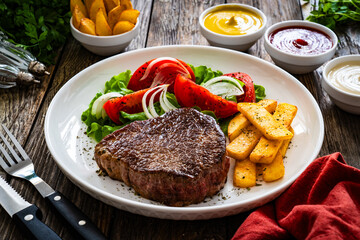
x=177, y=159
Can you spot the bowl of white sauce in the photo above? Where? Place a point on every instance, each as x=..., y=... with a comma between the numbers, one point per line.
x=341, y=81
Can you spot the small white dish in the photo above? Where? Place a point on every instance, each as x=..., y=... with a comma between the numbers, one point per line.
x=299, y=64
x=349, y=102
x=73, y=151
x=235, y=42
x=105, y=45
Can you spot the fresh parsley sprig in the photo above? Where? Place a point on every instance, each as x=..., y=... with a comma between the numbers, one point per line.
x=40, y=26
x=331, y=13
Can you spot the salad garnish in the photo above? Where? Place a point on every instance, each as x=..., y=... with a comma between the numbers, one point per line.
x=127, y=98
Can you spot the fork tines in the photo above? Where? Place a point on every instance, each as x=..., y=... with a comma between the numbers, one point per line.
x=7, y=156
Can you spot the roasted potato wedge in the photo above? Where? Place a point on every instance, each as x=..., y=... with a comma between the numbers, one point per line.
x=88, y=4
x=87, y=26
x=122, y=27
x=94, y=8
x=102, y=27
x=130, y=15
x=110, y=4
x=127, y=4
x=77, y=16
x=80, y=5
x=114, y=15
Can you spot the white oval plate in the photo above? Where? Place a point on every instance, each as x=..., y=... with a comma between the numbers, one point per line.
x=73, y=150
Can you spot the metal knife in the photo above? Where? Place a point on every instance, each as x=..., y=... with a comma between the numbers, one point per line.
x=25, y=214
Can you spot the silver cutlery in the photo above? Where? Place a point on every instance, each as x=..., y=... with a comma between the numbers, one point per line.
x=25, y=214
x=24, y=168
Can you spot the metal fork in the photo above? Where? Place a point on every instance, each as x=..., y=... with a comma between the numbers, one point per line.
x=24, y=168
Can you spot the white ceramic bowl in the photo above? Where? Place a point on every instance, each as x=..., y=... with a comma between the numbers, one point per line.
x=105, y=45
x=299, y=64
x=348, y=102
x=236, y=42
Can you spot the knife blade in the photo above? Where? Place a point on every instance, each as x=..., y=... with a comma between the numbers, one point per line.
x=25, y=214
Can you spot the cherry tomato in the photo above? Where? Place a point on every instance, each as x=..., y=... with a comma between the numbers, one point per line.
x=249, y=90
x=189, y=94
x=130, y=103
x=162, y=71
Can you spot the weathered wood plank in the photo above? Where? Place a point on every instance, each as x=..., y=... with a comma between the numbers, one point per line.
x=28, y=127
x=176, y=22
x=341, y=128
x=163, y=22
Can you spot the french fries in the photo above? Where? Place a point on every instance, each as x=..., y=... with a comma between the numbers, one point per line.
x=262, y=141
x=242, y=146
x=116, y=17
x=264, y=121
x=274, y=170
x=240, y=121
x=285, y=144
x=266, y=150
x=245, y=174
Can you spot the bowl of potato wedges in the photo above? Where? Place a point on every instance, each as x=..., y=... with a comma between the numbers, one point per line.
x=104, y=27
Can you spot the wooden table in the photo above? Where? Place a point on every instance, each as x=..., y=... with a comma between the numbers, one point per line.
x=163, y=22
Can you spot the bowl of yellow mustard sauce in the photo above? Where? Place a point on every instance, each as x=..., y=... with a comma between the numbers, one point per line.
x=234, y=26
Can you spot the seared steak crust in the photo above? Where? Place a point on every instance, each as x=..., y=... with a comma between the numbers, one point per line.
x=177, y=159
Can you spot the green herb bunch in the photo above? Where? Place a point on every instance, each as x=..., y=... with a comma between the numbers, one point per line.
x=40, y=26
x=334, y=12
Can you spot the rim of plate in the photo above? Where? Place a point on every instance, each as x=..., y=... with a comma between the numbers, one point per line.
x=187, y=209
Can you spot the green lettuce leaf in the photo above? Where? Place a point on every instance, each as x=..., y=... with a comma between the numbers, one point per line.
x=259, y=92
x=119, y=83
x=203, y=74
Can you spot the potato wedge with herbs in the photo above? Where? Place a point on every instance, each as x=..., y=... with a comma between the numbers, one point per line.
x=122, y=27
x=87, y=26
x=114, y=15
x=102, y=27
x=80, y=5
x=244, y=174
x=77, y=16
x=95, y=7
x=127, y=4
x=110, y=4
x=130, y=15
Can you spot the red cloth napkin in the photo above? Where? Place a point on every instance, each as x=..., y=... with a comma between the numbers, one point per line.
x=323, y=203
